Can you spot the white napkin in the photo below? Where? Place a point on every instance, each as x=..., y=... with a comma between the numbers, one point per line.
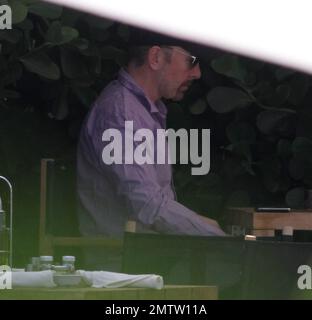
x=105, y=279
x=43, y=279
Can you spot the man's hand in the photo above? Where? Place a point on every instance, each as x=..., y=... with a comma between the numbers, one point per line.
x=211, y=222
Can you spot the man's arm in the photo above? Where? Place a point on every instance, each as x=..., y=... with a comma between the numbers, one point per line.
x=209, y=221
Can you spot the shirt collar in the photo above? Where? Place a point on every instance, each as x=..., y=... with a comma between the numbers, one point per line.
x=127, y=81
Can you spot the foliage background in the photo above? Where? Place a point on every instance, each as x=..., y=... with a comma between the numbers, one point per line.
x=55, y=61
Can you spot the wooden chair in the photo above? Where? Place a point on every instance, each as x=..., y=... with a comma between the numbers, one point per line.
x=58, y=220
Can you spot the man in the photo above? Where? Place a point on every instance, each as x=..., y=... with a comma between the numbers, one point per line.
x=111, y=194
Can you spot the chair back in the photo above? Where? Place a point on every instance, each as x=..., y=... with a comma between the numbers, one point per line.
x=58, y=211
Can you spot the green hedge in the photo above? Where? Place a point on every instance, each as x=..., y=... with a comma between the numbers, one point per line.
x=55, y=61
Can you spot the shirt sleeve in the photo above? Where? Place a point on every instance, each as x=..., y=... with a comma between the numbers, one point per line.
x=146, y=201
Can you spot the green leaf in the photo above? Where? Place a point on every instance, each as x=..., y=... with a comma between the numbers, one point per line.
x=211, y=181
x=92, y=50
x=123, y=32
x=58, y=34
x=71, y=17
x=230, y=66
x=9, y=94
x=252, y=64
x=232, y=168
x=264, y=91
x=295, y=198
x=300, y=169
x=69, y=34
x=54, y=34
x=283, y=73
x=98, y=22
x=73, y=64
x=19, y=11
x=250, y=79
x=28, y=2
x=267, y=121
x=113, y=53
x=282, y=93
x=271, y=173
x=95, y=65
x=238, y=198
x=61, y=110
x=12, y=74
x=248, y=167
x=83, y=82
x=303, y=146
x=46, y=10
x=284, y=148
x=41, y=64
x=80, y=43
x=242, y=149
x=182, y=177
x=299, y=88
x=26, y=25
x=271, y=183
x=241, y=132
x=296, y=168
x=224, y=99
x=304, y=118
x=198, y=107
x=99, y=35
x=86, y=95
x=12, y=36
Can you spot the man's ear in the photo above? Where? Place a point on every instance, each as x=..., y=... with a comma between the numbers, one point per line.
x=155, y=58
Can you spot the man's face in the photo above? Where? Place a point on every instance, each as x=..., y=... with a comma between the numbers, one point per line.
x=178, y=73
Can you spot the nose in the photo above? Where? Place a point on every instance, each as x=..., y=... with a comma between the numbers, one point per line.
x=195, y=72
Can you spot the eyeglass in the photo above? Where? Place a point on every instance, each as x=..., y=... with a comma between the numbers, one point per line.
x=193, y=60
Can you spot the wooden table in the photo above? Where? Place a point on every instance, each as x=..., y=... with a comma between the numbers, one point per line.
x=167, y=293
x=264, y=223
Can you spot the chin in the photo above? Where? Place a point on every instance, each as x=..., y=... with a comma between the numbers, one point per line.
x=178, y=96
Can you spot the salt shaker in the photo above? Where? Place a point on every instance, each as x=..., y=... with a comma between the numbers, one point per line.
x=46, y=262
x=35, y=262
x=69, y=262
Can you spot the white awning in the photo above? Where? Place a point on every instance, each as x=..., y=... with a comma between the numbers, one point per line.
x=277, y=31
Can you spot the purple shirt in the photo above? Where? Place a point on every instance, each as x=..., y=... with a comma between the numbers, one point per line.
x=110, y=195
